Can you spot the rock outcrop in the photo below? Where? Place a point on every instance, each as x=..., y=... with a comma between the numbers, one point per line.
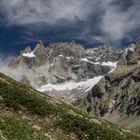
x=104, y=53
x=27, y=57
x=117, y=96
x=63, y=62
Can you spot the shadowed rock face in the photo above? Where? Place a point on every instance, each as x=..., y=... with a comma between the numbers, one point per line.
x=104, y=53
x=132, y=54
x=117, y=96
x=40, y=54
x=71, y=49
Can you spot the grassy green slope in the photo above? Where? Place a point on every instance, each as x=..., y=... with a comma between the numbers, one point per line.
x=26, y=114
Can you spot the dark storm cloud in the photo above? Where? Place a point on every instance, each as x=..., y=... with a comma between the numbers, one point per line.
x=87, y=20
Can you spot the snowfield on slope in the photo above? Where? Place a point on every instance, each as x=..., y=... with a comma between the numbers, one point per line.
x=82, y=86
x=109, y=63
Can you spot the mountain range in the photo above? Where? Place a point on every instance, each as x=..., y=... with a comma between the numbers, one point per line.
x=103, y=81
x=67, y=68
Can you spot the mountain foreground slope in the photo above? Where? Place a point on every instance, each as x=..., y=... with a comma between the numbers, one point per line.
x=26, y=114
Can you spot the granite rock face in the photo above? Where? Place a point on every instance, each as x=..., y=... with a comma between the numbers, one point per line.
x=117, y=96
x=62, y=62
x=104, y=53
x=35, y=58
x=86, y=78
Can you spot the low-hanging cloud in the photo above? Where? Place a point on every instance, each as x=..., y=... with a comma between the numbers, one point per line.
x=22, y=71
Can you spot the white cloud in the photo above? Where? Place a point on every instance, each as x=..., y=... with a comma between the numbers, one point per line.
x=114, y=23
x=21, y=12
x=117, y=23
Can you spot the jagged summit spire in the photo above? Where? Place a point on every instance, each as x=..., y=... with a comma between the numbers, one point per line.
x=40, y=42
x=40, y=47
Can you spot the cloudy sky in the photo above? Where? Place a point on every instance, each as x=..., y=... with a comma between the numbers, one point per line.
x=90, y=22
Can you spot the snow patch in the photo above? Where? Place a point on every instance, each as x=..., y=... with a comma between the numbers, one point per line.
x=98, y=58
x=109, y=63
x=61, y=55
x=68, y=58
x=115, y=66
x=130, y=48
x=96, y=63
x=86, y=60
x=30, y=55
x=83, y=86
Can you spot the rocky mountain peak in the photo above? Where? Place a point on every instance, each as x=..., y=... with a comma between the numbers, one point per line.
x=31, y=58
x=131, y=54
x=65, y=49
x=40, y=48
x=71, y=46
x=137, y=42
x=26, y=50
x=20, y=59
x=105, y=47
x=40, y=53
x=104, y=53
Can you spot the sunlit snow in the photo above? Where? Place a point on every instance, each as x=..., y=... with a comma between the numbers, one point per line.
x=31, y=54
x=84, y=85
x=109, y=63
x=86, y=60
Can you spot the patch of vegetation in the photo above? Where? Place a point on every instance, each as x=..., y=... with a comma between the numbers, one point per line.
x=17, y=97
x=130, y=136
x=16, y=129
x=86, y=129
